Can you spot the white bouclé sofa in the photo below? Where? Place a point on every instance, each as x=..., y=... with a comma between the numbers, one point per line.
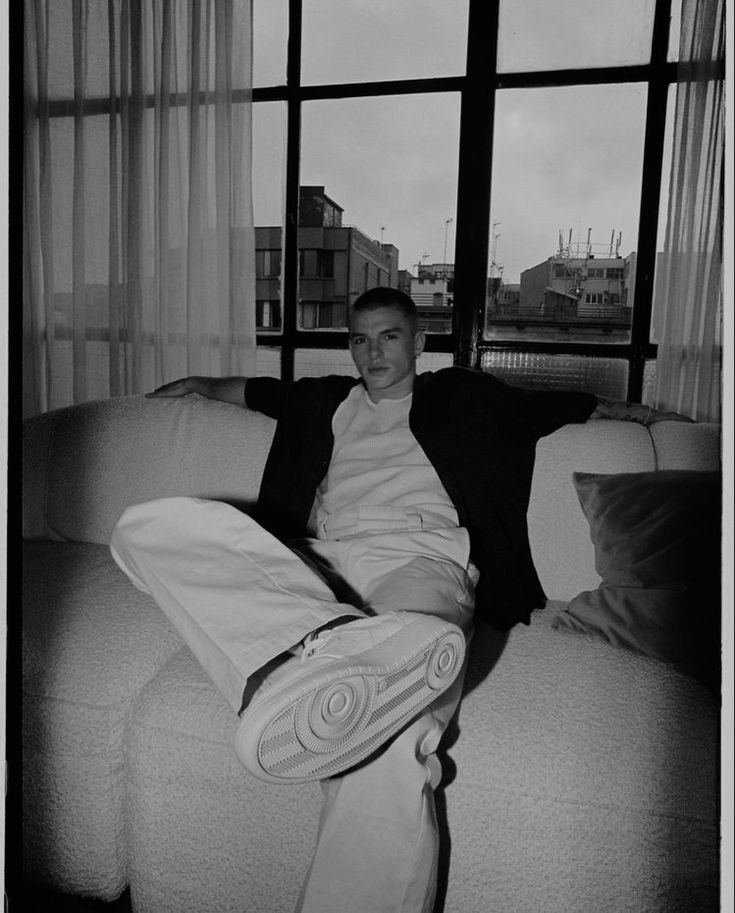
x=580, y=776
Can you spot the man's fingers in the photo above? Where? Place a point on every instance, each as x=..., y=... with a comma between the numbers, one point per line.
x=667, y=417
x=173, y=388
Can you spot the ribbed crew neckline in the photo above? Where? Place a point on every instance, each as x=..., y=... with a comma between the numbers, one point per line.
x=386, y=399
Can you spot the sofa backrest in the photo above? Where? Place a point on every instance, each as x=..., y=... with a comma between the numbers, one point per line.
x=82, y=466
x=557, y=528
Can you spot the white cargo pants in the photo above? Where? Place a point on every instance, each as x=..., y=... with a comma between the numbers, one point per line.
x=240, y=598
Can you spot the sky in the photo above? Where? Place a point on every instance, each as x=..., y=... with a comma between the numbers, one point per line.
x=565, y=159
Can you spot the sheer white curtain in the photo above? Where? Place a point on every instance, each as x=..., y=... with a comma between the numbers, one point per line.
x=138, y=254
x=689, y=285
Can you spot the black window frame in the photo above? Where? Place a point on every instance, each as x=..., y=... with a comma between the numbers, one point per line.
x=478, y=88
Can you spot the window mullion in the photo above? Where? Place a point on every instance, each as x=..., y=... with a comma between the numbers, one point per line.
x=474, y=180
x=597, y=350
x=291, y=220
x=658, y=88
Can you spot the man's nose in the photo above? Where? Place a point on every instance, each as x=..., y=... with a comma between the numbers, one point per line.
x=375, y=348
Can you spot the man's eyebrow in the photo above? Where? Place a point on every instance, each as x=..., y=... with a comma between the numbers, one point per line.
x=380, y=332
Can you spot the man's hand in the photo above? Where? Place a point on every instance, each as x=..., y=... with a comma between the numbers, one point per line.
x=224, y=389
x=182, y=387
x=656, y=416
x=634, y=412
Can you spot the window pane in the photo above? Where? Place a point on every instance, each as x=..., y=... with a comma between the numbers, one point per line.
x=320, y=362
x=564, y=213
x=270, y=37
x=269, y=147
x=659, y=279
x=268, y=172
x=602, y=376
x=674, y=30
x=61, y=49
x=184, y=27
x=434, y=361
x=377, y=203
x=354, y=41
x=268, y=361
x=570, y=34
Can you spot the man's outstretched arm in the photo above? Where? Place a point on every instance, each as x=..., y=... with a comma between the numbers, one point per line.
x=224, y=389
x=633, y=412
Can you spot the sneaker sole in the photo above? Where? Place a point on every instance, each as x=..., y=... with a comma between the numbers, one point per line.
x=338, y=721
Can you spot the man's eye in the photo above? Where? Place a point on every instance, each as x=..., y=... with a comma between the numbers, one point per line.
x=388, y=336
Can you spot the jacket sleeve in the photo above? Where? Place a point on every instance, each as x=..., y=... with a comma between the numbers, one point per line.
x=266, y=395
x=543, y=411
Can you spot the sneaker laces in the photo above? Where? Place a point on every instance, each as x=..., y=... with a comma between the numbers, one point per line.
x=315, y=643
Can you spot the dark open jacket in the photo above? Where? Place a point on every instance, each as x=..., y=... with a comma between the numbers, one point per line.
x=478, y=432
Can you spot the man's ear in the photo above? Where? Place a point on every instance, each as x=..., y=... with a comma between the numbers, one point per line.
x=419, y=341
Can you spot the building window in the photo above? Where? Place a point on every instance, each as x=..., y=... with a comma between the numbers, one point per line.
x=309, y=315
x=316, y=264
x=326, y=264
x=323, y=315
x=267, y=263
x=309, y=263
x=267, y=315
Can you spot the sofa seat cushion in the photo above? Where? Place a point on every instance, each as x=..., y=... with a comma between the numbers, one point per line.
x=583, y=778
x=90, y=643
x=205, y=835
x=586, y=779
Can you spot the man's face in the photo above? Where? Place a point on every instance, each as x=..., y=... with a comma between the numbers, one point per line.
x=384, y=349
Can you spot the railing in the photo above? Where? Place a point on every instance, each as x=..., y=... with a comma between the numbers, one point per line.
x=533, y=316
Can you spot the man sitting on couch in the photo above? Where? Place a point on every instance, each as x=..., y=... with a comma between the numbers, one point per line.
x=335, y=621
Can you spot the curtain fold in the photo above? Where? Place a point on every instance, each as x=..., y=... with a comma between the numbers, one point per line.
x=138, y=255
x=689, y=275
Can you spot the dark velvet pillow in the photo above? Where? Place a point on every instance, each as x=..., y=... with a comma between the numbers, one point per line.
x=657, y=539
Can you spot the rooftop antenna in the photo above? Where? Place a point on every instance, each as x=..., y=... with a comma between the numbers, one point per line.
x=589, y=245
x=496, y=235
x=382, y=229
x=444, y=258
x=424, y=256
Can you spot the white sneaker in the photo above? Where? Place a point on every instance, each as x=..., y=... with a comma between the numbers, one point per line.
x=353, y=688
